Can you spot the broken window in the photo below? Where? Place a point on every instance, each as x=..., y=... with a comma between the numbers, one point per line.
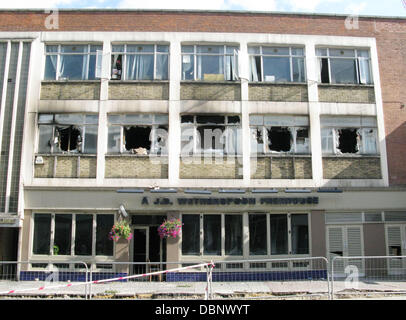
x=140, y=134
x=278, y=134
x=71, y=62
x=139, y=62
x=344, y=66
x=209, y=62
x=67, y=133
x=277, y=64
x=210, y=134
x=349, y=135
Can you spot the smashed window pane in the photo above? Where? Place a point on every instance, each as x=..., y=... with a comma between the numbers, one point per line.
x=302, y=141
x=69, y=138
x=280, y=139
x=348, y=141
x=137, y=139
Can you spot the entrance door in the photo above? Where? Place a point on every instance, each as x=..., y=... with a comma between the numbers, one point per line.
x=396, y=246
x=140, y=249
x=345, y=241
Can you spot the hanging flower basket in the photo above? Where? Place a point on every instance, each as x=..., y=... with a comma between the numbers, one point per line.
x=120, y=230
x=170, y=228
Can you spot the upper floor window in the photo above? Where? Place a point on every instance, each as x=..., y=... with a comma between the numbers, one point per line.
x=67, y=133
x=349, y=135
x=210, y=134
x=138, y=133
x=139, y=62
x=276, y=64
x=209, y=62
x=71, y=62
x=278, y=133
x=344, y=66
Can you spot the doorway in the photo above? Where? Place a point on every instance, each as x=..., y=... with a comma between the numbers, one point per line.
x=148, y=250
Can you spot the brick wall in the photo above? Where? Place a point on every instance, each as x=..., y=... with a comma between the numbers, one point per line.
x=281, y=168
x=138, y=91
x=70, y=90
x=136, y=167
x=278, y=92
x=346, y=94
x=66, y=167
x=351, y=168
x=210, y=168
x=210, y=91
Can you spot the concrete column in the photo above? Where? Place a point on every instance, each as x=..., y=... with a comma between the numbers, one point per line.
x=245, y=113
x=174, y=113
x=104, y=96
x=314, y=113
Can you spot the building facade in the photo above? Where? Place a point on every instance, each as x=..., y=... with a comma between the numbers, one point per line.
x=267, y=135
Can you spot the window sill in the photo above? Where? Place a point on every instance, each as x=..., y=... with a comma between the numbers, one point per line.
x=277, y=83
x=281, y=155
x=236, y=82
x=114, y=81
x=66, y=155
x=136, y=155
x=346, y=85
x=70, y=81
x=349, y=155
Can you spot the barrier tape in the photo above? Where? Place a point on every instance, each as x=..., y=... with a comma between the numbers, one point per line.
x=110, y=280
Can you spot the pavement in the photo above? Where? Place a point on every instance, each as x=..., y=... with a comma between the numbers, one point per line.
x=198, y=290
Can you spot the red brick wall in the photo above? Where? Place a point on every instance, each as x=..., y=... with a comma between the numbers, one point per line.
x=390, y=35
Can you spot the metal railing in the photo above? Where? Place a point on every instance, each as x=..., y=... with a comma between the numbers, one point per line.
x=371, y=275
x=342, y=277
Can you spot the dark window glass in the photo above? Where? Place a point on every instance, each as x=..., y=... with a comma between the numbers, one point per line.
x=233, y=234
x=104, y=246
x=279, y=234
x=212, y=234
x=63, y=234
x=84, y=234
x=191, y=234
x=258, y=238
x=299, y=233
x=42, y=233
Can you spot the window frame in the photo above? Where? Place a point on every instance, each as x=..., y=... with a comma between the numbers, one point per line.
x=263, y=128
x=59, y=52
x=54, y=124
x=291, y=56
x=199, y=149
x=154, y=127
x=195, y=54
x=356, y=58
x=73, y=236
x=125, y=54
x=245, y=236
x=333, y=133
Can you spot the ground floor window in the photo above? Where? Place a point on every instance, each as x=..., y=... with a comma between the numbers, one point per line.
x=72, y=234
x=222, y=234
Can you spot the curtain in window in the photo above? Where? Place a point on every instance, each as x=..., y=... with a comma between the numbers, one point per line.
x=73, y=67
x=364, y=72
x=161, y=67
x=369, y=141
x=139, y=67
x=50, y=67
x=254, y=71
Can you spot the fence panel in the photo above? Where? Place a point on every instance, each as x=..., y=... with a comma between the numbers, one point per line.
x=352, y=276
x=44, y=279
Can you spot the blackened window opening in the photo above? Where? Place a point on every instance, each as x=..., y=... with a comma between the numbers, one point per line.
x=347, y=141
x=325, y=78
x=69, y=138
x=137, y=137
x=279, y=139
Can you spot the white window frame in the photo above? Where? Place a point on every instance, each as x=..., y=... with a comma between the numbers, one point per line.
x=356, y=57
x=59, y=53
x=124, y=55
x=195, y=54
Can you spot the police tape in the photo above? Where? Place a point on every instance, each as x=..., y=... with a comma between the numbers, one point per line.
x=75, y=284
